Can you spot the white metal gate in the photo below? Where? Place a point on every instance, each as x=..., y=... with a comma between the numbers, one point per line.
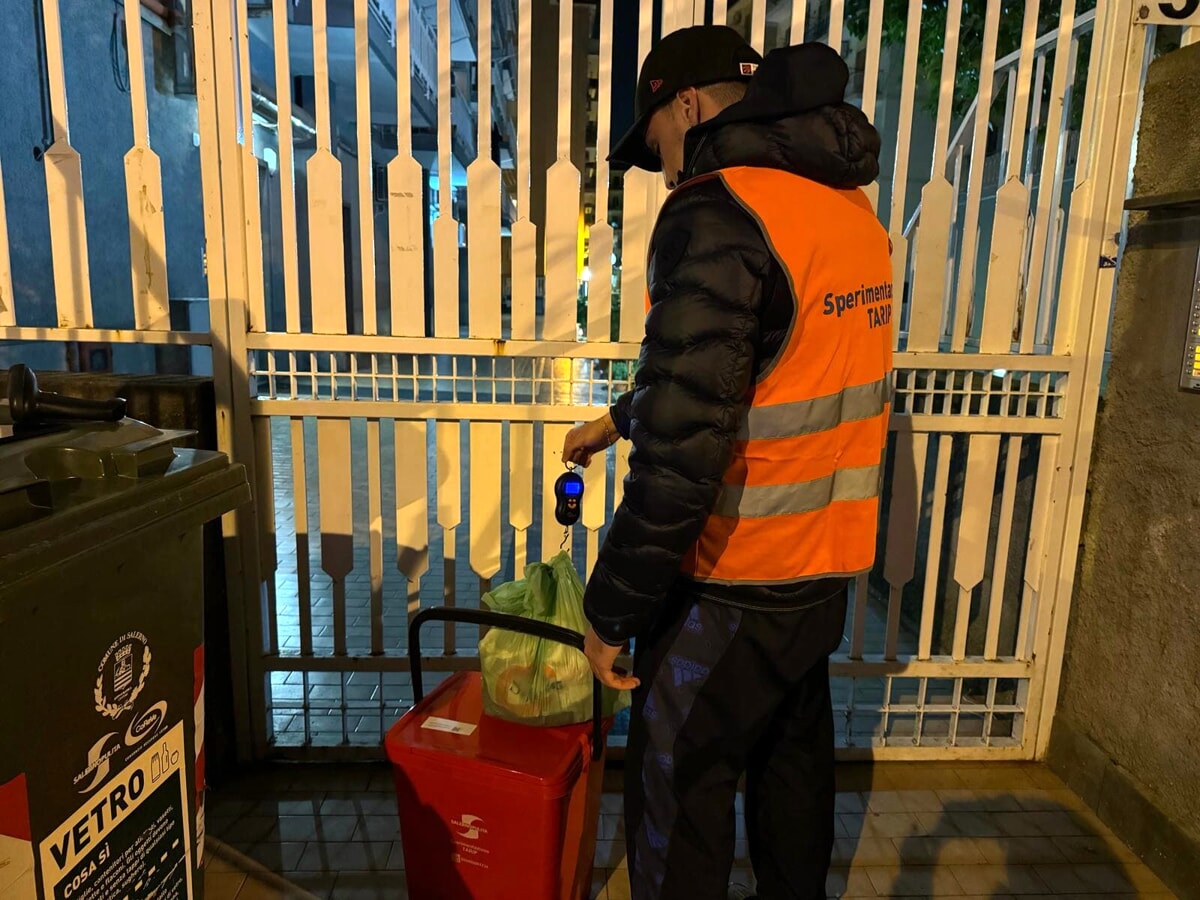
x=398, y=447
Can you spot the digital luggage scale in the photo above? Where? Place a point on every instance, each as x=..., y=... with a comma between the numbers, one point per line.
x=568, y=495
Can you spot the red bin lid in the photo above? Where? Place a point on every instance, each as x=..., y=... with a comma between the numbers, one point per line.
x=449, y=729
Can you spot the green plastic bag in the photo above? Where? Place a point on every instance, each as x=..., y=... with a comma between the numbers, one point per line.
x=532, y=680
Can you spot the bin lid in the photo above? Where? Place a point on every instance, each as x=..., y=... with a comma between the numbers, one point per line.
x=68, y=488
x=449, y=729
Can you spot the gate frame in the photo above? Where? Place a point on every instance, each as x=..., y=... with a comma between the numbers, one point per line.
x=1093, y=233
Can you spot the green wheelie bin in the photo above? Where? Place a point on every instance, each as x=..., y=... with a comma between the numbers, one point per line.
x=101, y=649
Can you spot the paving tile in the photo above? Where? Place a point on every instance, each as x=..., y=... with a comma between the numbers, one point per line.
x=370, y=886
x=345, y=856
x=290, y=804
x=913, y=881
x=340, y=803
x=249, y=830
x=933, y=851
x=396, y=857
x=865, y=852
x=1018, y=880
x=1090, y=848
x=276, y=856
x=995, y=776
x=618, y=885
x=1076, y=879
x=1043, y=800
x=921, y=777
x=316, y=828
x=377, y=828
x=313, y=884
x=1019, y=851
x=1043, y=778
x=883, y=825
x=849, y=802
x=847, y=883
x=599, y=890
x=610, y=828
x=610, y=854
x=222, y=885
x=972, y=824
x=903, y=801
x=968, y=800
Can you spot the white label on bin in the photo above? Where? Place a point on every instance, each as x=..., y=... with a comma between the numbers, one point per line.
x=448, y=725
x=131, y=838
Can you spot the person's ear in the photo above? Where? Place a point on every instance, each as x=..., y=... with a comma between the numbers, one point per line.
x=689, y=106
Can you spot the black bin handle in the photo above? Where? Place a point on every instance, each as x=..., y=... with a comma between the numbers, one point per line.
x=505, y=622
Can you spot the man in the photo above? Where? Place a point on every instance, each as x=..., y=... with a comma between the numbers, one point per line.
x=759, y=420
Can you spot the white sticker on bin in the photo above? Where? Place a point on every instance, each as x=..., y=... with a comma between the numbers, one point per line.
x=448, y=725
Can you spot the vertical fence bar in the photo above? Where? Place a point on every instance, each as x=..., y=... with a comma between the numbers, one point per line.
x=64, y=191
x=448, y=437
x=520, y=490
x=635, y=223
x=483, y=199
x=720, y=11
x=1053, y=145
x=933, y=560
x=445, y=226
x=300, y=505
x=287, y=168
x=411, y=443
x=1124, y=58
x=375, y=534
x=974, y=525
x=143, y=192
x=937, y=202
x=870, y=77
x=796, y=32
x=1012, y=464
x=337, y=516
x=837, y=15
x=600, y=240
x=965, y=294
x=484, y=512
x=903, y=523
x=758, y=25
x=562, y=208
x=406, y=212
x=264, y=489
x=366, y=203
x=595, y=483
x=908, y=89
x=524, y=231
x=251, y=206
x=324, y=182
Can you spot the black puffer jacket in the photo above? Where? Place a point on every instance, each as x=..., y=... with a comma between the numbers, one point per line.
x=720, y=311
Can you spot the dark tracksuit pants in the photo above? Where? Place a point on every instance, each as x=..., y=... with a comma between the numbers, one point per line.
x=724, y=692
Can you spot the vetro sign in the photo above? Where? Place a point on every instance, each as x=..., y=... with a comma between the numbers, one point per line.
x=1167, y=12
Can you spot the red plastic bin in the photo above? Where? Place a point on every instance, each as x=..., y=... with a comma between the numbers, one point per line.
x=489, y=809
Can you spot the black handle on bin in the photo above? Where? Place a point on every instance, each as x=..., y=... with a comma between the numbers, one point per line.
x=508, y=623
x=28, y=404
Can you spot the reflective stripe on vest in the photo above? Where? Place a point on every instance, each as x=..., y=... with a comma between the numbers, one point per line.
x=800, y=498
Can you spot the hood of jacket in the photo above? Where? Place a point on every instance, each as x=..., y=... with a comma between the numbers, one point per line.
x=793, y=117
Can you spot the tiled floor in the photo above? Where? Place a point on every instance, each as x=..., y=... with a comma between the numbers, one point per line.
x=994, y=831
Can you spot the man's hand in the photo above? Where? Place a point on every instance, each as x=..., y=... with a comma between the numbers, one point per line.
x=601, y=656
x=583, y=441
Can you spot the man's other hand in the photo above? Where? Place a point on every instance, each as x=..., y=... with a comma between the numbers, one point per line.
x=601, y=656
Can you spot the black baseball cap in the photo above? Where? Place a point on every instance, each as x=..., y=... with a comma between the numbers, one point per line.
x=690, y=57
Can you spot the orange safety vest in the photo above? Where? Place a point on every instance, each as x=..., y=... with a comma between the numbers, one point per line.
x=800, y=499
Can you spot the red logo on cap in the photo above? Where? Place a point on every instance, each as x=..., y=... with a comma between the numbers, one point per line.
x=749, y=68
x=655, y=84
